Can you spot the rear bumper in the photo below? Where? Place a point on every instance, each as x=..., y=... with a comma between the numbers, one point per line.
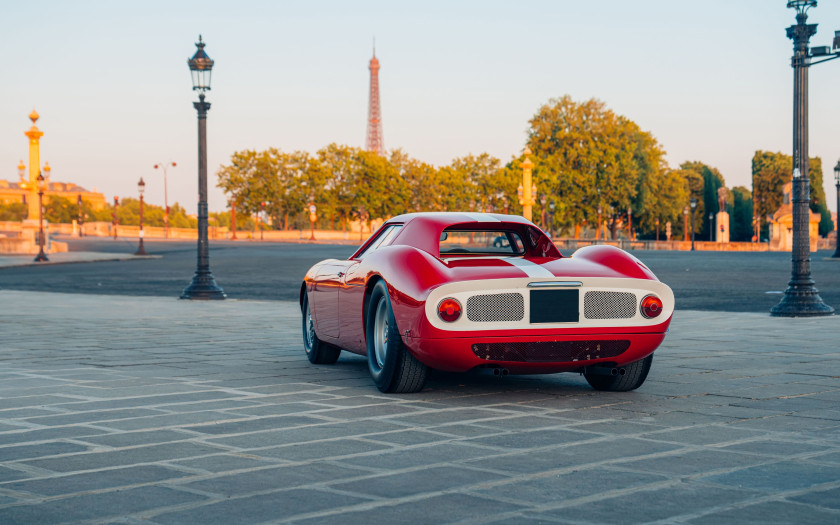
x=534, y=354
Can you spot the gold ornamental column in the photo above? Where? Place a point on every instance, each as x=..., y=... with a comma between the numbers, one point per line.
x=527, y=190
x=34, y=134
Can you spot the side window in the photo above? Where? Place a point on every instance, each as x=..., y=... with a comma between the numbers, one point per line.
x=384, y=238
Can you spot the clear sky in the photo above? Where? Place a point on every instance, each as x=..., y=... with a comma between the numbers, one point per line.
x=710, y=79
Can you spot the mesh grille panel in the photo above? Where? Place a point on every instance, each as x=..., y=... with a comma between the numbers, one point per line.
x=609, y=305
x=551, y=351
x=496, y=307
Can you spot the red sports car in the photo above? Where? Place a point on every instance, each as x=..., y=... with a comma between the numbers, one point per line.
x=458, y=291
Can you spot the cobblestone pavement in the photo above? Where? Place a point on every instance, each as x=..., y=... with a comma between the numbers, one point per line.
x=151, y=410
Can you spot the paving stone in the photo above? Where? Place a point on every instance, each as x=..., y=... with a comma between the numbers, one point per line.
x=131, y=439
x=53, y=448
x=829, y=499
x=533, y=438
x=645, y=506
x=447, y=508
x=769, y=512
x=321, y=449
x=274, y=478
x=569, y=485
x=255, y=425
x=784, y=475
x=694, y=462
x=220, y=463
x=260, y=508
x=8, y=474
x=95, y=506
x=129, y=456
x=423, y=455
x=49, y=434
x=415, y=482
x=91, y=481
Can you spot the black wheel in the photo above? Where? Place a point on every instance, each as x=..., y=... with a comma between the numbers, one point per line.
x=391, y=365
x=318, y=352
x=635, y=374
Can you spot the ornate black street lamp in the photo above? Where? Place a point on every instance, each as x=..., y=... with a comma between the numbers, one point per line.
x=203, y=286
x=837, y=222
x=685, y=224
x=693, y=207
x=42, y=256
x=801, y=296
x=141, y=186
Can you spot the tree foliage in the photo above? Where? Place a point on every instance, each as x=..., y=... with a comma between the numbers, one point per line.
x=771, y=171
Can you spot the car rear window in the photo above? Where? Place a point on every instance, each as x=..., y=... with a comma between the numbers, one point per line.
x=480, y=242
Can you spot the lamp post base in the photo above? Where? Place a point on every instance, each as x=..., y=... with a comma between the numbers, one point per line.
x=41, y=257
x=141, y=250
x=801, y=301
x=203, y=287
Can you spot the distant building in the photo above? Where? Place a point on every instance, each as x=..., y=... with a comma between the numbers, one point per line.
x=11, y=192
x=781, y=225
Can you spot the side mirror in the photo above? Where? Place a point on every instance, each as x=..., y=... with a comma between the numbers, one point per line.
x=443, y=236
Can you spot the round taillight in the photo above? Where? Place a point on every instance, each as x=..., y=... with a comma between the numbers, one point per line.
x=449, y=310
x=651, y=306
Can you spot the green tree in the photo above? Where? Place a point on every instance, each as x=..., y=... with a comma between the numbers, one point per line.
x=705, y=191
x=741, y=229
x=589, y=156
x=13, y=211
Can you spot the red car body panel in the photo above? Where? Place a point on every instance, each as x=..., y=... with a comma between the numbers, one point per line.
x=412, y=267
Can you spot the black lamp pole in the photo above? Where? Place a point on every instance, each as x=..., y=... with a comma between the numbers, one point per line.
x=79, y=204
x=837, y=222
x=203, y=285
x=801, y=297
x=693, y=207
x=42, y=256
x=140, y=187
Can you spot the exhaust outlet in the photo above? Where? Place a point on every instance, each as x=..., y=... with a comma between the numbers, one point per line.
x=500, y=372
x=621, y=371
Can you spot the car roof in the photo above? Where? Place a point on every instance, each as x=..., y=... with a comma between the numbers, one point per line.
x=422, y=230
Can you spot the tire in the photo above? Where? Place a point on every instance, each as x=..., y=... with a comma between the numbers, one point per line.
x=635, y=374
x=391, y=365
x=318, y=352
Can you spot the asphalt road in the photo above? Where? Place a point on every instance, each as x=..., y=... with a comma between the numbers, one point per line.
x=718, y=281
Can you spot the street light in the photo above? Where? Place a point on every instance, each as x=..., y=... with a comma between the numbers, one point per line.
x=711, y=227
x=203, y=285
x=600, y=226
x=141, y=187
x=685, y=225
x=837, y=222
x=629, y=224
x=542, y=208
x=233, y=219
x=801, y=297
x=657, y=229
x=116, y=221
x=79, y=205
x=312, y=216
x=262, y=221
x=41, y=257
x=551, y=216
x=693, y=206
x=163, y=167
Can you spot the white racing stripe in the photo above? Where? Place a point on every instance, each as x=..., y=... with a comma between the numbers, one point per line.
x=531, y=269
x=481, y=217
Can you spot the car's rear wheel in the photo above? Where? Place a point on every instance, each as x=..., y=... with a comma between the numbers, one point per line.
x=318, y=352
x=391, y=365
x=634, y=375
